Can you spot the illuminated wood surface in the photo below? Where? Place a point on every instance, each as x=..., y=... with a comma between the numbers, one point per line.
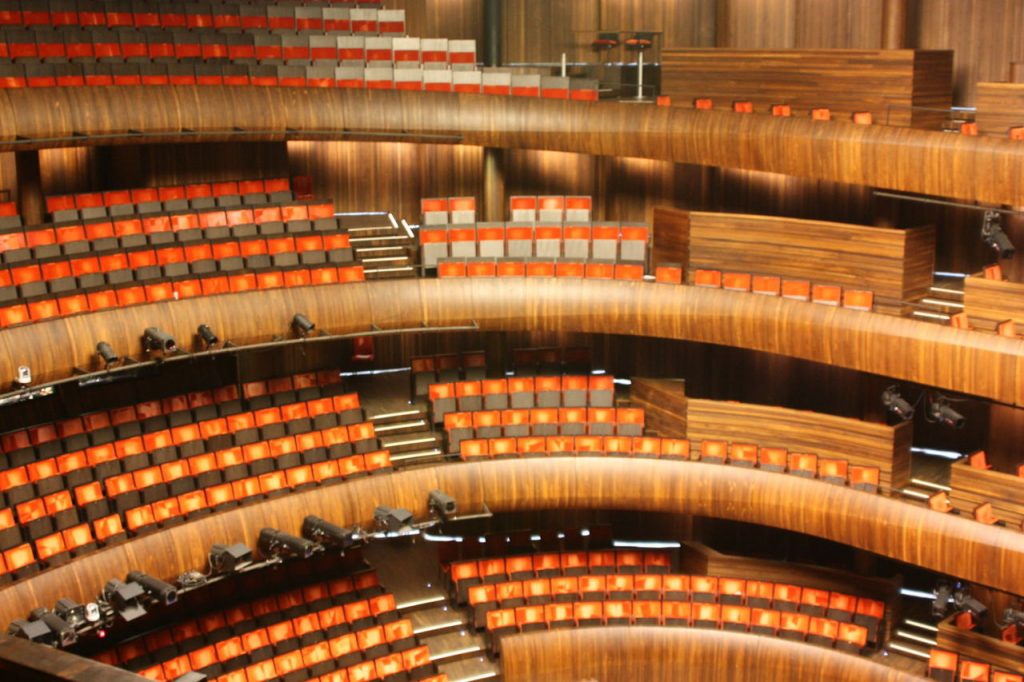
x=886, y=83
x=1000, y=106
x=974, y=363
x=994, y=300
x=911, y=533
x=657, y=654
x=971, y=168
x=979, y=647
x=972, y=487
x=23, y=660
x=895, y=265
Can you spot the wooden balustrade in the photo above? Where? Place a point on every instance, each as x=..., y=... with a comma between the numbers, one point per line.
x=993, y=300
x=1000, y=106
x=972, y=487
x=946, y=544
x=988, y=169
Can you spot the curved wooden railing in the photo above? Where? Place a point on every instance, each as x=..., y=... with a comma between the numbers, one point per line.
x=947, y=544
x=664, y=654
x=974, y=363
x=970, y=168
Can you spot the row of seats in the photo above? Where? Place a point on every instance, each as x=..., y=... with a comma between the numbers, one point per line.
x=522, y=209
x=608, y=242
x=521, y=392
x=550, y=361
x=789, y=625
x=798, y=290
x=948, y=666
x=779, y=460
x=74, y=237
x=212, y=284
x=278, y=48
x=328, y=15
x=446, y=368
x=467, y=432
x=165, y=193
x=539, y=267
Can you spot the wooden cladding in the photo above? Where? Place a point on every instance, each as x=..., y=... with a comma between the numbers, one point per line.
x=886, y=83
x=944, y=543
x=972, y=363
x=994, y=300
x=665, y=654
x=988, y=169
x=972, y=487
x=861, y=443
x=893, y=264
x=1000, y=106
x=978, y=646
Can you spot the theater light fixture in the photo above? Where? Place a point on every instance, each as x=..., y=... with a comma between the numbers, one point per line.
x=24, y=376
x=965, y=602
x=943, y=595
x=207, y=335
x=302, y=325
x=229, y=558
x=71, y=611
x=125, y=598
x=895, y=404
x=326, y=533
x=276, y=544
x=939, y=411
x=32, y=630
x=163, y=592
x=994, y=237
x=62, y=632
x=442, y=504
x=392, y=519
x=154, y=339
x=107, y=354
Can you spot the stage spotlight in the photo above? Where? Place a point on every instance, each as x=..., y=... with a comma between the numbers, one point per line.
x=107, y=354
x=392, y=518
x=229, y=558
x=124, y=599
x=33, y=630
x=63, y=632
x=940, y=411
x=24, y=376
x=71, y=611
x=940, y=605
x=274, y=544
x=994, y=237
x=441, y=504
x=163, y=592
x=206, y=334
x=302, y=325
x=965, y=602
x=326, y=533
x=895, y=403
x=1011, y=616
x=153, y=339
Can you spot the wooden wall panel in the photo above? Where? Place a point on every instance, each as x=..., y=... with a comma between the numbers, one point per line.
x=1000, y=107
x=886, y=83
x=70, y=169
x=682, y=23
x=994, y=300
x=895, y=264
x=979, y=646
x=775, y=24
x=665, y=405
x=8, y=177
x=387, y=176
x=944, y=543
x=452, y=19
x=671, y=236
x=541, y=30
x=154, y=165
x=659, y=654
x=972, y=487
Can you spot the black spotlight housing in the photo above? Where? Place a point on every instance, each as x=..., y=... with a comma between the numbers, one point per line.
x=392, y=518
x=302, y=325
x=965, y=602
x=157, y=340
x=163, y=592
x=940, y=411
x=442, y=504
x=940, y=605
x=229, y=558
x=33, y=630
x=207, y=335
x=324, y=532
x=895, y=404
x=994, y=237
x=125, y=599
x=275, y=544
x=107, y=354
x=64, y=633
x=71, y=611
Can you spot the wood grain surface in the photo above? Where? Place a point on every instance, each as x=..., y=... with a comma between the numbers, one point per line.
x=994, y=300
x=972, y=168
x=657, y=654
x=972, y=487
x=946, y=544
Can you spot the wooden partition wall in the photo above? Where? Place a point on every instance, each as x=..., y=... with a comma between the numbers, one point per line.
x=886, y=83
x=972, y=363
x=1000, y=106
x=971, y=168
x=660, y=654
x=972, y=487
x=896, y=265
x=979, y=646
x=939, y=542
x=857, y=441
x=994, y=300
